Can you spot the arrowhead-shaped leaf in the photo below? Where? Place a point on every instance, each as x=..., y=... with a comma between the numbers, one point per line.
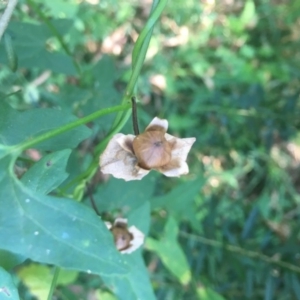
x=54, y=230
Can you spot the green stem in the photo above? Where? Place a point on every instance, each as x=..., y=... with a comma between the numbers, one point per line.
x=29, y=144
x=142, y=44
x=91, y=170
x=139, y=53
x=135, y=122
x=53, y=283
x=138, y=57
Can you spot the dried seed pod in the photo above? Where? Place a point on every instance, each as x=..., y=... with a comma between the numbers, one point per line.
x=152, y=149
x=132, y=157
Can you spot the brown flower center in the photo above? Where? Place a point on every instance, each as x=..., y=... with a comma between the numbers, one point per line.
x=152, y=149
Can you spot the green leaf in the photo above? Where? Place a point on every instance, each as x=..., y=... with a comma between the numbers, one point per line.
x=125, y=195
x=8, y=289
x=170, y=252
x=30, y=42
x=53, y=230
x=17, y=127
x=48, y=173
x=136, y=284
x=105, y=94
x=105, y=296
x=9, y=260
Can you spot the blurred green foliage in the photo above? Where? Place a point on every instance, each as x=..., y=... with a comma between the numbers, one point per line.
x=226, y=72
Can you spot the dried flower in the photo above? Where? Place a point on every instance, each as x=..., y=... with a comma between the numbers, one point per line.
x=132, y=157
x=126, y=239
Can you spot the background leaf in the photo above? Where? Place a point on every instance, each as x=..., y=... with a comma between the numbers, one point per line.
x=17, y=127
x=48, y=173
x=205, y=293
x=29, y=42
x=180, y=201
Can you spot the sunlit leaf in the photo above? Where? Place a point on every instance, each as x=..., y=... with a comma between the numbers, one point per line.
x=205, y=293
x=105, y=296
x=38, y=278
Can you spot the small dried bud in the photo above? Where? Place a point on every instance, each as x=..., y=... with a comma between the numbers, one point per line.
x=152, y=149
x=122, y=236
x=127, y=240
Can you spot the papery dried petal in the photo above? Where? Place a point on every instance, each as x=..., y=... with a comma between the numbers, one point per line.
x=180, y=149
x=136, y=242
x=125, y=141
x=158, y=123
x=175, y=168
x=118, y=160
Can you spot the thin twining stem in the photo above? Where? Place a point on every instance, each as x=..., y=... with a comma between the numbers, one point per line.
x=134, y=117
